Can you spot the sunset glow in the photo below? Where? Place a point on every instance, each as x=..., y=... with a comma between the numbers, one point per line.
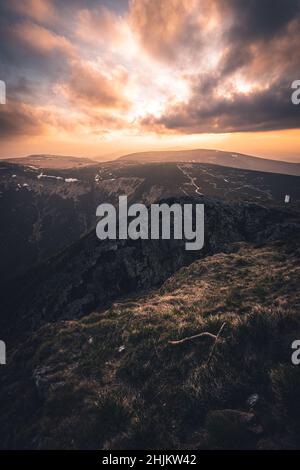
x=104, y=78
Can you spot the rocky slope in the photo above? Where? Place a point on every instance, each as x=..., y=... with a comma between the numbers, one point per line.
x=91, y=358
x=115, y=380
x=45, y=210
x=92, y=273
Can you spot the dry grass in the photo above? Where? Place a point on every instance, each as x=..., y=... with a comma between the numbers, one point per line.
x=112, y=380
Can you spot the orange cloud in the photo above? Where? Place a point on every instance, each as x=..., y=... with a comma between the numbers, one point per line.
x=100, y=25
x=174, y=30
x=18, y=119
x=89, y=86
x=41, y=39
x=38, y=10
x=163, y=69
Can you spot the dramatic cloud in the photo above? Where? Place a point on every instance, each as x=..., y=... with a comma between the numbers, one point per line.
x=18, y=120
x=41, y=40
x=260, y=111
x=100, y=25
x=259, y=19
x=168, y=67
x=248, y=88
x=89, y=86
x=38, y=10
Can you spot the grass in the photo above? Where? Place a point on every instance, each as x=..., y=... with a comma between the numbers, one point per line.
x=112, y=380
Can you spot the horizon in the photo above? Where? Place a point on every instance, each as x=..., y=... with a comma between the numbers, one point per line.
x=112, y=158
x=102, y=79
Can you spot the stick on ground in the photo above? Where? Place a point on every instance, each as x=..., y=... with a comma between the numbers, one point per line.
x=201, y=335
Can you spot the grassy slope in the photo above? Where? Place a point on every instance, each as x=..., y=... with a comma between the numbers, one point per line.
x=113, y=380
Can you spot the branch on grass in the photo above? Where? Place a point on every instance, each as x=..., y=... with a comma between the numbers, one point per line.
x=201, y=335
x=190, y=338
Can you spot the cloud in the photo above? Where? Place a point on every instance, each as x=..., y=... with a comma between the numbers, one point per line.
x=41, y=40
x=33, y=52
x=265, y=110
x=18, y=119
x=173, y=30
x=168, y=66
x=101, y=25
x=258, y=19
x=89, y=86
x=248, y=87
x=37, y=10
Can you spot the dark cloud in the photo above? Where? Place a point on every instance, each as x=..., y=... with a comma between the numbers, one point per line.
x=261, y=111
x=18, y=120
x=216, y=45
x=259, y=19
x=259, y=39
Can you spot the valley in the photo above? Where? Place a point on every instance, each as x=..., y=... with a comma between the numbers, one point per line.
x=93, y=328
x=45, y=209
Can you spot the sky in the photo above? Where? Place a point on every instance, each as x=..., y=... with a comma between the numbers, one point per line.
x=105, y=78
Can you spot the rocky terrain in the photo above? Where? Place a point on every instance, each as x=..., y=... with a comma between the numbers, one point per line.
x=101, y=343
x=46, y=208
x=142, y=344
x=115, y=379
x=92, y=273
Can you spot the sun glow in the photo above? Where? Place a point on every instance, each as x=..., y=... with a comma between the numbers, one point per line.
x=94, y=77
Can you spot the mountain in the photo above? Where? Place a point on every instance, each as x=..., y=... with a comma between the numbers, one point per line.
x=141, y=344
x=104, y=345
x=52, y=161
x=44, y=210
x=91, y=273
x=216, y=157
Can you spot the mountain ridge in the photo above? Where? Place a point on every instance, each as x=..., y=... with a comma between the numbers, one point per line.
x=91, y=273
x=217, y=157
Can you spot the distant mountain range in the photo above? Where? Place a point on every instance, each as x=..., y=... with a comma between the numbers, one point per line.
x=53, y=161
x=216, y=157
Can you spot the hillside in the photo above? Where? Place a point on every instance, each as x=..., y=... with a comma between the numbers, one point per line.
x=216, y=157
x=91, y=273
x=44, y=210
x=90, y=326
x=113, y=380
x=52, y=161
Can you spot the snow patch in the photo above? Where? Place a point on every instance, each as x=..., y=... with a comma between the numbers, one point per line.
x=41, y=175
x=71, y=180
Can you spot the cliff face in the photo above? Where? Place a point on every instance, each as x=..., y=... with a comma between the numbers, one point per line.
x=45, y=210
x=43, y=213
x=92, y=273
